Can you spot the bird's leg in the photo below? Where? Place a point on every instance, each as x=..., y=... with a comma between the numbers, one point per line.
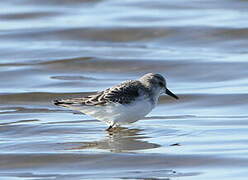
x=110, y=127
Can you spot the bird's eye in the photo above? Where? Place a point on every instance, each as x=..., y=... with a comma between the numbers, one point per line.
x=161, y=84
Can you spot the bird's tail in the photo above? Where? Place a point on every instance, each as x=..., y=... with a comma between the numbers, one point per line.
x=62, y=102
x=69, y=102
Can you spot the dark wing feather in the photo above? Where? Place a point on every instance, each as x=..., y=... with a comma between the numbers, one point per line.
x=123, y=93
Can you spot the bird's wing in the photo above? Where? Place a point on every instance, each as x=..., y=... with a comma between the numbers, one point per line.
x=123, y=93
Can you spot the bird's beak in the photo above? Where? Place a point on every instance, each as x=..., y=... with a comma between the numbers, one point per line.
x=167, y=91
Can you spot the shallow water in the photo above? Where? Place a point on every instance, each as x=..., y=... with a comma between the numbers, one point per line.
x=55, y=49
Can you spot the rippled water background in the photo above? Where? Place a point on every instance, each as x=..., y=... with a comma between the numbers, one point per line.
x=66, y=48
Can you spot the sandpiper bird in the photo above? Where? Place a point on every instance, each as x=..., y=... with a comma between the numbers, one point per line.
x=124, y=103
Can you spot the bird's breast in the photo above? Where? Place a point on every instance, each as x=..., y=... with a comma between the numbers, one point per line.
x=139, y=109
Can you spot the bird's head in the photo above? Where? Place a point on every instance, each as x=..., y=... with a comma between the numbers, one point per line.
x=157, y=84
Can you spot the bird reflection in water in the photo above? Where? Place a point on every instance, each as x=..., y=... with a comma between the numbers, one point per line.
x=119, y=140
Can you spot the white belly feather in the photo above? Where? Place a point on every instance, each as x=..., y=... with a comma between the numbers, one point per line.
x=115, y=113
